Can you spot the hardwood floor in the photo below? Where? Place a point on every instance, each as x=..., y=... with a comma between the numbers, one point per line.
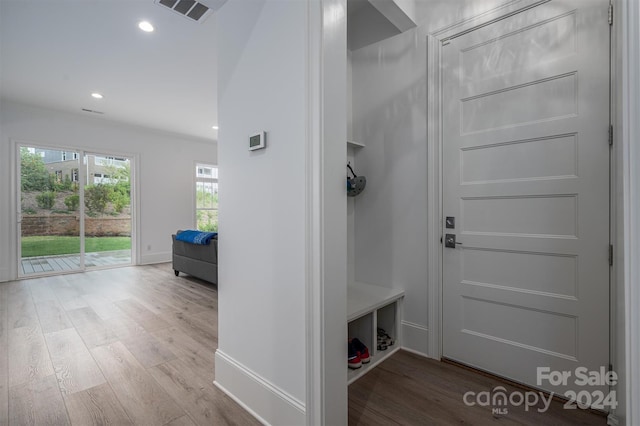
x=135, y=346
x=407, y=389
x=127, y=346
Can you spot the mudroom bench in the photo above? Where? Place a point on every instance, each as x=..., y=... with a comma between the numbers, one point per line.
x=370, y=307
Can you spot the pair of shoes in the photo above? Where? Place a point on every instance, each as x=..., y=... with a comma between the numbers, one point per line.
x=384, y=340
x=353, y=361
x=358, y=354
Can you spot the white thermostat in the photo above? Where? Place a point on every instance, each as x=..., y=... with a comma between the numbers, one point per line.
x=257, y=141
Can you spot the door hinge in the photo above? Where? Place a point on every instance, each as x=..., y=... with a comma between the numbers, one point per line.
x=610, y=135
x=610, y=13
x=610, y=255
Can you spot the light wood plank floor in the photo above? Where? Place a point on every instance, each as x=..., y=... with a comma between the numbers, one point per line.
x=127, y=346
x=407, y=389
x=135, y=346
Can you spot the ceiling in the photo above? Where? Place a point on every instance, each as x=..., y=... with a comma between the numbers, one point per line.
x=55, y=53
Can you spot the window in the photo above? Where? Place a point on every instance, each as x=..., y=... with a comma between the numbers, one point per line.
x=110, y=161
x=74, y=175
x=103, y=178
x=206, y=197
x=206, y=171
x=69, y=156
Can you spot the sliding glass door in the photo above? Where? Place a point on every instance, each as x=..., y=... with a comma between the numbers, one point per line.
x=50, y=201
x=107, y=213
x=75, y=211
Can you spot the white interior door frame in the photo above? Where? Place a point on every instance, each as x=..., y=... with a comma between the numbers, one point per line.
x=627, y=183
x=15, y=213
x=624, y=173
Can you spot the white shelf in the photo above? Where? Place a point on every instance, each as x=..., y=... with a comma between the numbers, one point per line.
x=354, y=144
x=369, y=307
x=376, y=359
x=364, y=298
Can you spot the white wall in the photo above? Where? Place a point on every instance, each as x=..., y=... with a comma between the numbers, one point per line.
x=283, y=255
x=390, y=215
x=262, y=276
x=166, y=168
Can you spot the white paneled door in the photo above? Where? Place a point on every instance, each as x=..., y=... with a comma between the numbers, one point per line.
x=526, y=177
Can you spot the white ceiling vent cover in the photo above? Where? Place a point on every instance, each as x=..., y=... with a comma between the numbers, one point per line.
x=192, y=9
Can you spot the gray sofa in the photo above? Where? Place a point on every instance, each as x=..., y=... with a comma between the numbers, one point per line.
x=200, y=261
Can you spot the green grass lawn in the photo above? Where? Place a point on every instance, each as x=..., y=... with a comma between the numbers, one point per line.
x=53, y=245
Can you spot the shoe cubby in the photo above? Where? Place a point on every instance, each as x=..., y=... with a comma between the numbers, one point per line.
x=370, y=307
x=386, y=317
x=363, y=329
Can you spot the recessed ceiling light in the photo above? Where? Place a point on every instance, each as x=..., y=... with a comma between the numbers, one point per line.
x=214, y=127
x=145, y=26
x=97, y=95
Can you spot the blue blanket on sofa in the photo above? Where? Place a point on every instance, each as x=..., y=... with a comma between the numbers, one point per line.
x=196, y=237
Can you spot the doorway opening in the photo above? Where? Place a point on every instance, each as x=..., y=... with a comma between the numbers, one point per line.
x=75, y=210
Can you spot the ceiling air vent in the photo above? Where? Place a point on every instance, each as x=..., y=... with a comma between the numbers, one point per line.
x=190, y=8
x=92, y=111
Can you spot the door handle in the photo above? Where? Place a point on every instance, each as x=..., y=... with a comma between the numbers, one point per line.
x=450, y=241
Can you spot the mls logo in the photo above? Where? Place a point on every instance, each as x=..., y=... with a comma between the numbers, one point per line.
x=500, y=411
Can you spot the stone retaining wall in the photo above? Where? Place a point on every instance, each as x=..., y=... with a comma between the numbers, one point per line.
x=70, y=225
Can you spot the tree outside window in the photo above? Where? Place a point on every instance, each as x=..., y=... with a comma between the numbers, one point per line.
x=207, y=197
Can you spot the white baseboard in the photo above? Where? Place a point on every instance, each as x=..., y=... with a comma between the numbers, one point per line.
x=148, y=259
x=265, y=401
x=4, y=275
x=415, y=338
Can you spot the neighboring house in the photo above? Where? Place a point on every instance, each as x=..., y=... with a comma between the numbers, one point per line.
x=64, y=164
